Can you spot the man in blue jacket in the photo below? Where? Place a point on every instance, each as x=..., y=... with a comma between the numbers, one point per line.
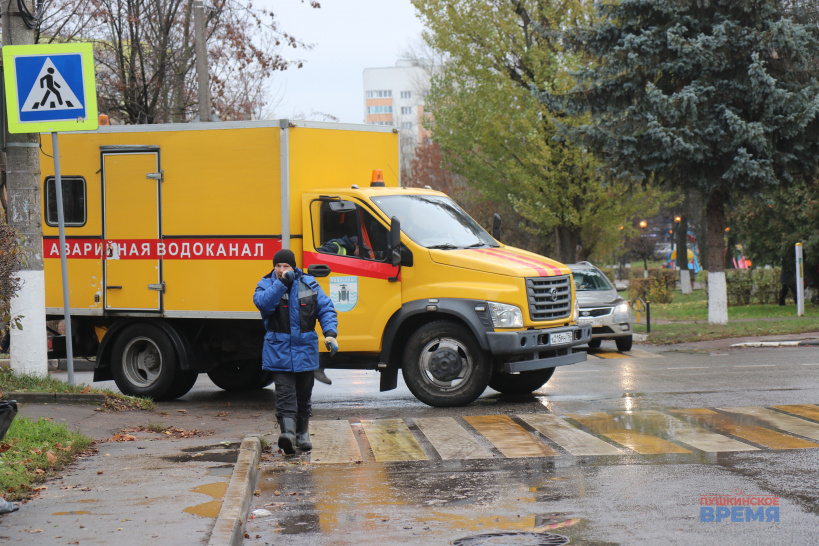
x=290, y=303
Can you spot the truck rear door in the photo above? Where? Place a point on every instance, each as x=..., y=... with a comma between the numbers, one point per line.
x=131, y=200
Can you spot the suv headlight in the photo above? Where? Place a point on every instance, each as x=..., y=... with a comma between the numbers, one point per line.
x=622, y=312
x=576, y=310
x=505, y=315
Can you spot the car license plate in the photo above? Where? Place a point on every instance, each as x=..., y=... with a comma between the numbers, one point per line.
x=562, y=337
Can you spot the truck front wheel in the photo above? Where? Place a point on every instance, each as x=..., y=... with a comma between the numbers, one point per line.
x=520, y=383
x=444, y=366
x=145, y=363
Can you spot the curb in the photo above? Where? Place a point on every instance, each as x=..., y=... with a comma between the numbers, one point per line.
x=776, y=344
x=55, y=397
x=229, y=528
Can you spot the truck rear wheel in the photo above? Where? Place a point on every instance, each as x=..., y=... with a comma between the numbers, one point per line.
x=520, y=383
x=145, y=363
x=243, y=375
x=444, y=366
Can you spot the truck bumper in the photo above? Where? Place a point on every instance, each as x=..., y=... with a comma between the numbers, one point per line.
x=538, y=349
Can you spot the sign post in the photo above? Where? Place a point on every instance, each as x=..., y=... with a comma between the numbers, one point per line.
x=51, y=88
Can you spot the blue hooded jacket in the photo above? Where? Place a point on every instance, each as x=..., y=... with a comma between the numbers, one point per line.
x=291, y=341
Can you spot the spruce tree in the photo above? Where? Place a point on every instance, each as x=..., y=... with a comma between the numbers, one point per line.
x=717, y=95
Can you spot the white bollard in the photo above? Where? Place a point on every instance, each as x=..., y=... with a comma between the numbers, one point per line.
x=800, y=286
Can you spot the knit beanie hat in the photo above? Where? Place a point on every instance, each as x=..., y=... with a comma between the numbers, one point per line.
x=285, y=256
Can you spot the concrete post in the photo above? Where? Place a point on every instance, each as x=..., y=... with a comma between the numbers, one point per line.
x=29, y=349
x=201, y=49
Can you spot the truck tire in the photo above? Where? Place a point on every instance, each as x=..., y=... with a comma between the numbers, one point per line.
x=520, y=383
x=182, y=384
x=243, y=375
x=144, y=362
x=623, y=343
x=594, y=343
x=444, y=366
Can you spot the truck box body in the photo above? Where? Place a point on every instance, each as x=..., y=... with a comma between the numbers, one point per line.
x=170, y=227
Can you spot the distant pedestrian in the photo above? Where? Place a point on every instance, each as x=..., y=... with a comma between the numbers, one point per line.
x=290, y=303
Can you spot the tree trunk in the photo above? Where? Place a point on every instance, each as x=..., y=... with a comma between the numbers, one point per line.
x=717, y=289
x=567, y=242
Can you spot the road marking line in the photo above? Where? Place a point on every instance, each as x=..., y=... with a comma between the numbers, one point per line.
x=333, y=442
x=694, y=436
x=573, y=440
x=752, y=433
x=788, y=423
x=391, y=440
x=509, y=437
x=605, y=425
x=689, y=368
x=754, y=366
x=451, y=440
x=609, y=354
x=812, y=364
x=809, y=411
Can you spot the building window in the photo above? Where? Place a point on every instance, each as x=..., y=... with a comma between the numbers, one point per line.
x=406, y=94
x=379, y=109
x=74, y=210
x=406, y=109
x=406, y=126
x=379, y=94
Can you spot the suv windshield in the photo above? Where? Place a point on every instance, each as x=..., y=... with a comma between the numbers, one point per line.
x=434, y=221
x=590, y=279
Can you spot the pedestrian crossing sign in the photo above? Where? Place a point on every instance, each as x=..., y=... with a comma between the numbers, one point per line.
x=50, y=87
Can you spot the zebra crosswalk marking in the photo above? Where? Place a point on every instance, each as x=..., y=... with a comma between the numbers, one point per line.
x=809, y=411
x=391, y=440
x=610, y=354
x=573, y=440
x=605, y=425
x=752, y=433
x=788, y=423
x=510, y=438
x=333, y=442
x=694, y=436
x=451, y=440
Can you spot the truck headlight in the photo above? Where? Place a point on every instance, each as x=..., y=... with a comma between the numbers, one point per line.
x=622, y=312
x=505, y=315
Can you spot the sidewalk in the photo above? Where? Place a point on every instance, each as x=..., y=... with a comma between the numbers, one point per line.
x=169, y=488
x=144, y=487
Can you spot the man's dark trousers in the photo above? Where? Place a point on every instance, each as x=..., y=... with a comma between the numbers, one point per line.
x=294, y=391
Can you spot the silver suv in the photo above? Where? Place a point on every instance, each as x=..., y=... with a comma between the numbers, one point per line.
x=600, y=306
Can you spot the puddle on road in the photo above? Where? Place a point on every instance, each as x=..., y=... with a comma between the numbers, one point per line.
x=209, y=509
x=218, y=453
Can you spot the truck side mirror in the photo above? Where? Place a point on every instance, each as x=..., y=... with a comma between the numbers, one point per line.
x=342, y=206
x=496, y=227
x=395, y=241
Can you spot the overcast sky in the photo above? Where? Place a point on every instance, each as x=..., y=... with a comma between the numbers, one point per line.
x=349, y=36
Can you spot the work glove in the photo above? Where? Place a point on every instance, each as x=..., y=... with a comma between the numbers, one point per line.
x=288, y=277
x=331, y=344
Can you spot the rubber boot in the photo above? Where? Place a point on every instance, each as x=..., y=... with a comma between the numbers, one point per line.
x=287, y=438
x=321, y=376
x=303, y=433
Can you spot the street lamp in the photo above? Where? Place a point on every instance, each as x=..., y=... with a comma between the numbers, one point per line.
x=643, y=224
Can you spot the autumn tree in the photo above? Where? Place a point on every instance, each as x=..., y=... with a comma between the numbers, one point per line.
x=500, y=138
x=717, y=95
x=144, y=55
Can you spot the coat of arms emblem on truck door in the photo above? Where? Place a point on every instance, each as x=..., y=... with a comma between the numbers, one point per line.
x=344, y=293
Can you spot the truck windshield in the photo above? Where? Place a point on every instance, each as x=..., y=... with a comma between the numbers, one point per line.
x=435, y=221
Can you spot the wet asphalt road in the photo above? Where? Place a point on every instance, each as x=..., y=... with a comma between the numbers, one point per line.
x=644, y=493
x=508, y=498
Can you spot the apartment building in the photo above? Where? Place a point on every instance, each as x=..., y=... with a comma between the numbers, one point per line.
x=394, y=96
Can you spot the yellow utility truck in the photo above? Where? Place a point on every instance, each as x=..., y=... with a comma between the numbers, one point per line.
x=170, y=227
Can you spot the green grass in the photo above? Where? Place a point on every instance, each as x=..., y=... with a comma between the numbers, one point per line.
x=33, y=451
x=11, y=381
x=686, y=319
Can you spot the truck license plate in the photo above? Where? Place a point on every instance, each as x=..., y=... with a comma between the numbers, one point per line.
x=562, y=337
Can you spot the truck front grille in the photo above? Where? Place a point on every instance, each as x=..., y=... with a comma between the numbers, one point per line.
x=550, y=298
